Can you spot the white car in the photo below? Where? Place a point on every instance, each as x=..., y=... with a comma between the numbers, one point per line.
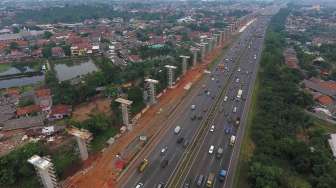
x=225, y=98
x=237, y=80
x=164, y=150
x=211, y=149
x=139, y=185
x=212, y=128
x=234, y=109
x=238, y=69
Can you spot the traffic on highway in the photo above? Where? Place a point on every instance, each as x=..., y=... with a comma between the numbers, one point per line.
x=196, y=149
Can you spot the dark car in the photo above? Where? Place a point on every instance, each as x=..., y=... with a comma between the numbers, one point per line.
x=180, y=140
x=227, y=130
x=200, y=180
x=164, y=163
x=199, y=117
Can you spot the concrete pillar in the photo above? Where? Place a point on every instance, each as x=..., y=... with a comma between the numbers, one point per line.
x=221, y=37
x=83, y=137
x=45, y=169
x=194, y=51
x=152, y=92
x=216, y=37
x=125, y=104
x=203, y=50
x=170, y=72
x=184, y=63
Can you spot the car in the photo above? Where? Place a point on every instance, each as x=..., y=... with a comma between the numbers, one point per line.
x=193, y=107
x=208, y=93
x=139, y=185
x=227, y=130
x=234, y=109
x=160, y=185
x=193, y=117
x=177, y=130
x=211, y=149
x=180, y=140
x=212, y=128
x=164, y=163
x=219, y=153
x=199, y=117
x=200, y=180
x=237, y=80
x=225, y=98
x=187, y=183
x=164, y=150
x=238, y=69
x=205, y=109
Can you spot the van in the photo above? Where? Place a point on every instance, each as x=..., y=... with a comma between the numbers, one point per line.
x=200, y=180
x=177, y=130
x=143, y=165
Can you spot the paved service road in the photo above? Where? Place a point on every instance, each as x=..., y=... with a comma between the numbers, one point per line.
x=240, y=63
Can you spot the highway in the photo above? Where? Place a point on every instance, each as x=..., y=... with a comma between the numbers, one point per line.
x=213, y=110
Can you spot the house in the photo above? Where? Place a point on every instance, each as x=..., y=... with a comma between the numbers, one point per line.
x=57, y=52
x=43, y=99
x=324, y=87
x=59, y=112
x=28, y=110
x=325, y=100
x=23, y=123
x=134, y=58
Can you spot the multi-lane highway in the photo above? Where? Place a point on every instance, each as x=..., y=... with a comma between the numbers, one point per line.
x=216, y=104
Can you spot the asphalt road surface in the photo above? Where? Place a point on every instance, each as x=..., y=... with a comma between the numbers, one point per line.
x=240, y=63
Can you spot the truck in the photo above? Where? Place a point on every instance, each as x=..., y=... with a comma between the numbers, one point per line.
x=222, y=174
x=240, y=92
x=210, y=180
x=232, y=140
x=143, y=165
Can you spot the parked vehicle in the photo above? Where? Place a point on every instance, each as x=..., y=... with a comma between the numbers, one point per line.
x=193, y=107
x=212, y=128
x=163, y=150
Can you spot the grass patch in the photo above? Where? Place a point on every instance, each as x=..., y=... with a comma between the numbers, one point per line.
x=247, y=147
x=4, y=67
x=99, y=142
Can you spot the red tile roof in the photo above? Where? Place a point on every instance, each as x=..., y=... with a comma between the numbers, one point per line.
x=28, y=110
x=325, y=100
x=61, y=109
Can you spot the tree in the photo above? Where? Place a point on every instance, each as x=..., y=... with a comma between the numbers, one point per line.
x=46, y=52
x=13, y=46
x=47, y=34
x=264, y=176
